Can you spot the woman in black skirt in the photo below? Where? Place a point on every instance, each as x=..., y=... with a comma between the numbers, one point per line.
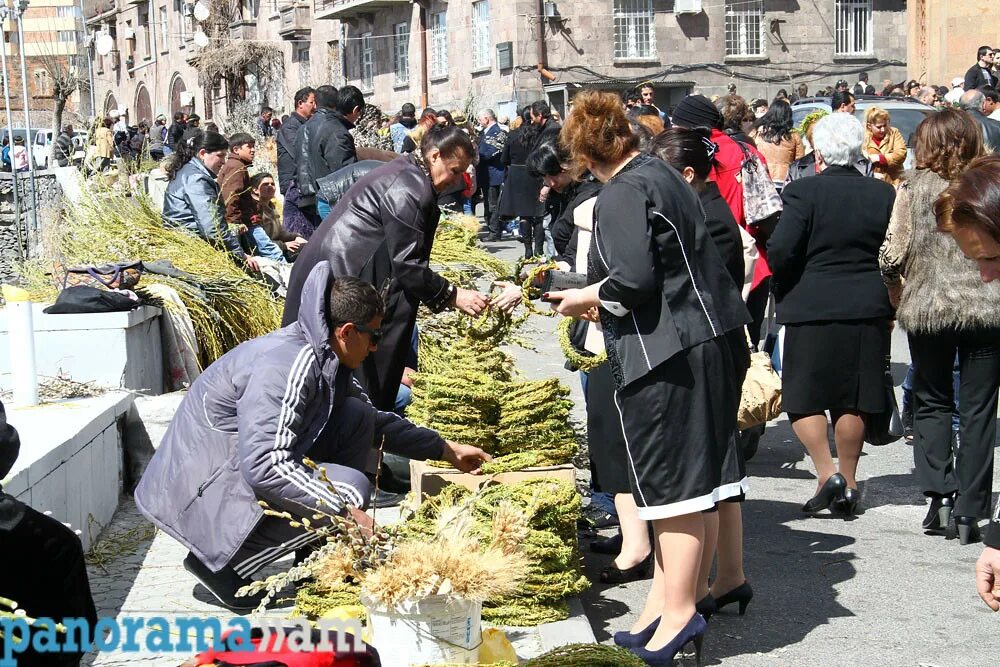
x=835, y=308
x=673, y=325
x=519, y=198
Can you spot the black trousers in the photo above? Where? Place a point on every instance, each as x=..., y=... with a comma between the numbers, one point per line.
x=940, y=470
x=757, y=305
x=491, y=208
x=533, y=236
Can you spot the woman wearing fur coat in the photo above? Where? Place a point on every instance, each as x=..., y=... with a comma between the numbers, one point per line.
x=945, y=308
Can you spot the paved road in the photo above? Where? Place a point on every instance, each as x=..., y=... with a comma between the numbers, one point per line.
x=871, y=591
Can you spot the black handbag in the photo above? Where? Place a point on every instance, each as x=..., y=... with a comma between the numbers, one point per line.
x=885, y=427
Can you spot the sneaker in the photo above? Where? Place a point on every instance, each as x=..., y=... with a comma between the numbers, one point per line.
x=387, y=499
x=223, y=585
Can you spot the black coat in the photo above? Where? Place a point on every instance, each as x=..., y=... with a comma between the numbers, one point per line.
x=974, y=78
x=520, y=189
x=724, y=231
x=824, y=250
x=287, y=161
x=990, y=129
x=667, y=289
x=323, y=145
x=175, y=133
x=381, y=232
x=563, y=227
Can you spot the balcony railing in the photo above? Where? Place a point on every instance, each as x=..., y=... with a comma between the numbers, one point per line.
x=246, y=30
x=341, y=9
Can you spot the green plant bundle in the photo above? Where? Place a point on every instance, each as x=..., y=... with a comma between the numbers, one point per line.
x=552, y=508
x=586, y=655
x=313, y=600
x=226, y=305
x=457, y=248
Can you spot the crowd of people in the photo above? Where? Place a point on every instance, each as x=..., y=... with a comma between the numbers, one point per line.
x=686, y=224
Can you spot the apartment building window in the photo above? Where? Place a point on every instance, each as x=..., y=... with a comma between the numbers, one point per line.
x=635, y=34
x=67, y=12
x=744, y=27
x=144, y=33
x=439, y=45
x=164, y=29
x=854, y=27
x=401, y=53
x=367, y=61
x=481, y=42
x=302, y=57
x=67, y=36
x=184, y=14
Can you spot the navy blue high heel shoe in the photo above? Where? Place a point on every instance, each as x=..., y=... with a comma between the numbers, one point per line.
x=626, y=639
x=694, y=631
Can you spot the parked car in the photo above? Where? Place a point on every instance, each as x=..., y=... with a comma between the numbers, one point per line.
x=904, y=114
x=41, y=148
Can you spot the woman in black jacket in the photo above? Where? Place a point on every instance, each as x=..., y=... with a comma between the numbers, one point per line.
x=519, y=198
x=692, y=153
x=830, y=297
x=673, y=326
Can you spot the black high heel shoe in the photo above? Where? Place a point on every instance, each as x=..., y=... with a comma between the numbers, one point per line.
x=706, y=606
x=848, y=505
x=832, y=490
x=694, y=631
x=741, y=594
x=939, y=513
x=615, y=575
x=626, y=639
x=968, y=529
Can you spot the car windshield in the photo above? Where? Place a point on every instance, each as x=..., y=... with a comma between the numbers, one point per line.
x=904, y=120
x=800, y=111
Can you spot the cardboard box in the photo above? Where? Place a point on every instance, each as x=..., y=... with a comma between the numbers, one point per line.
x=429, y=480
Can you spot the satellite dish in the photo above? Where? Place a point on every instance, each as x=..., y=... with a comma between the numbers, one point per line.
x=200, y=39
x=201, y=12
x=105, y=44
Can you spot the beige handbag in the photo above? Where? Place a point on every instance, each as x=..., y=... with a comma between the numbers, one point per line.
x=760, y=401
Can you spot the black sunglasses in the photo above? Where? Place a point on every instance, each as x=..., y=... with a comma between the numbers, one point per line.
x=376, y=334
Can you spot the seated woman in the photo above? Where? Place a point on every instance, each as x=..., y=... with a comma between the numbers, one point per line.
x=825, y=247
x=192, y=200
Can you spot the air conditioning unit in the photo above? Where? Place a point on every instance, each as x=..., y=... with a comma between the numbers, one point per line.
x=687, y=7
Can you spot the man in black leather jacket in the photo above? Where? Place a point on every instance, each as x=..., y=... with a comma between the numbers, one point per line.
x=325, y=144
x=305, y=107
x=973, y=101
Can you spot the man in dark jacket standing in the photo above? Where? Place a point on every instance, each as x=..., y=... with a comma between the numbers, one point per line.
x=491, y=170
x=177, y=130
x=305, y=107
x=242, y=433
x=981, y=74
x=325, y=144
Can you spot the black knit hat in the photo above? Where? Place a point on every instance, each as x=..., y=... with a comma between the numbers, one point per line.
x=697, y=111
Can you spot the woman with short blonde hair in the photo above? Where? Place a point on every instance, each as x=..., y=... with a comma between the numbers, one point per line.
x=884, y=145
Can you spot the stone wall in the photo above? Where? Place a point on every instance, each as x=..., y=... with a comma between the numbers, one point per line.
x=12, y=243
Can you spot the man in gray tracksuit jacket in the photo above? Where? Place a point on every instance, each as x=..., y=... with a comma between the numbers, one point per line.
x=241, y=433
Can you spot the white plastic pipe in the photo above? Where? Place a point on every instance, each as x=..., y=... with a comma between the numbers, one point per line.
x=21, y=334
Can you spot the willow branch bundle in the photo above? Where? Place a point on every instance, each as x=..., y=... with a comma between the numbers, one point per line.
x=457, y=249
x=227, y=306
x=552, y=509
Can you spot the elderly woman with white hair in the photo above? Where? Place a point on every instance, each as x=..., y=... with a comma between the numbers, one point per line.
x=830, y=297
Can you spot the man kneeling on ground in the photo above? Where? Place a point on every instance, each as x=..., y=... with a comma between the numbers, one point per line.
x=241, y=434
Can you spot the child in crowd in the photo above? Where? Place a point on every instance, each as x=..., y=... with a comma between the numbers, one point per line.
x=237, y=197
x=268, y=219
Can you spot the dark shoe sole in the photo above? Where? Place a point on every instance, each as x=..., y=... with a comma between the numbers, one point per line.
x=242, y=604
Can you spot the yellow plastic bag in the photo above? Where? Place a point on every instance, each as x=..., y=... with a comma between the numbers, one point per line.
x=496, y=648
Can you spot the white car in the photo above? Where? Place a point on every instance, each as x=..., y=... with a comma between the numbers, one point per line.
x=41, y=148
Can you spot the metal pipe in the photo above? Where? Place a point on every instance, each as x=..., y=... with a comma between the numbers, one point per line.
x=424, y=80
x=4, y=14
x=22, y=5
x=90, y=61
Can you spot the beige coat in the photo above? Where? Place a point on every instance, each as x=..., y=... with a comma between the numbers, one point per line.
x=893, y=147
x=104, y=141
x=781, y=155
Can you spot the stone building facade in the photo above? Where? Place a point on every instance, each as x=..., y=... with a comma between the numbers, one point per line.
x=499, y=53
x=944, y=37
